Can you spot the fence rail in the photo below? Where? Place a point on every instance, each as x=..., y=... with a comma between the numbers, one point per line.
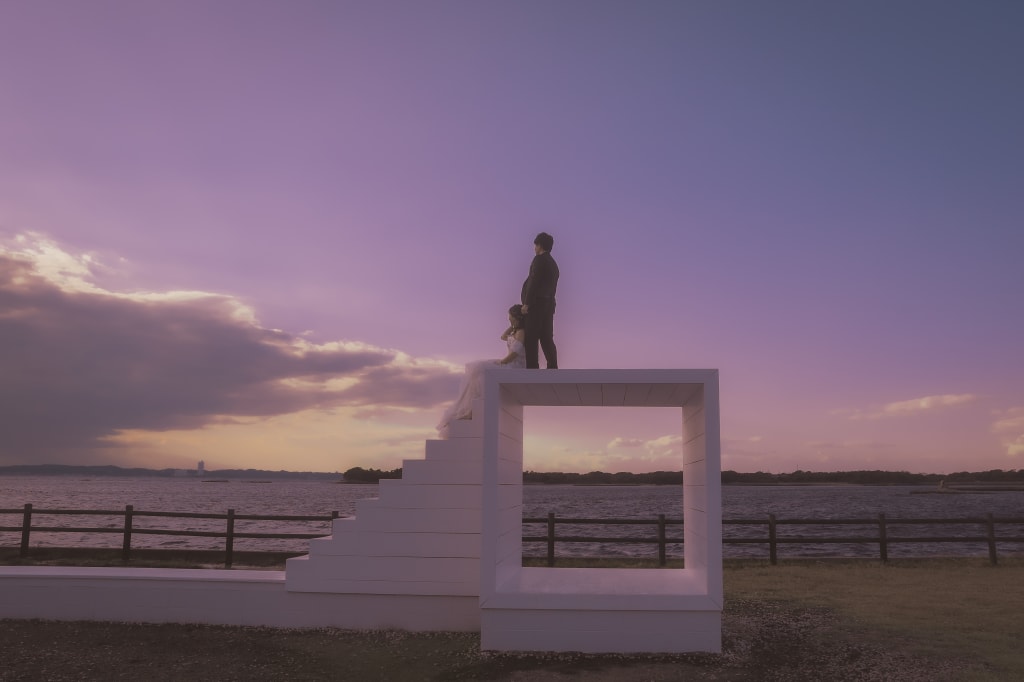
x=128, y=529
x=988, y=530
x=879, y=532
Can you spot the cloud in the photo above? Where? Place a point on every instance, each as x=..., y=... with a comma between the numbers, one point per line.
x=619, y=442
x=905, y=408
x=663, y=453
x=81, y=364
x=1009, y=425
x=847, y=445
x=654, y=447
x=665, y=446
x=1009, y=420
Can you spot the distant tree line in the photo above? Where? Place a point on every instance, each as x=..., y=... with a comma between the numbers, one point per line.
x=138, y=472
x=361, y=475
x=875, y=477
x=602, y=478
x=872, y=477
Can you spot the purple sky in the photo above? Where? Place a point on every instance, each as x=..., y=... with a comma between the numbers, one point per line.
x=268, y=234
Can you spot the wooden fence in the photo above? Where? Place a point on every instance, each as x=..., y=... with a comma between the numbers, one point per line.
x=127, y=529
x=988, y=529
x=881, y=531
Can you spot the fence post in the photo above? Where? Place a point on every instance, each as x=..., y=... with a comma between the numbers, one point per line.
x=551, y=538
x=883, y=539
x=26, y=528
x=229, y=540
x=991, y=533
x=661, y=540
x=773, y=553
x=126, y=547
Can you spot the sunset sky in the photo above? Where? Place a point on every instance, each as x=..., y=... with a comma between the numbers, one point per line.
x=269, y=234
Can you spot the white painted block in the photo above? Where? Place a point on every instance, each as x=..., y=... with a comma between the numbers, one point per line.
x=695, y=449
x=511, y=409
x=513, y=518
x=327, y=584
x=325, y=575
x=695, y=497
x=220, y=597
x=465, y=472
x=613, y=395
x=511, y=541
x=567, y=394
x=508, y=496
x=396, y=569
x=590, y=395
x=508, y=471
x=465, y=428
x=398, y=494
x=389, y=544
x=509, y=556
x=366, y=505
x=596, y=632
x=539, y=587
x=597, y=619
x=384, y=519
x=696, y=471
x=510, y=450
x=459, y=449
x=694, y=417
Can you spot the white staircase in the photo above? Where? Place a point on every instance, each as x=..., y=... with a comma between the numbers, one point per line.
x=421, y=536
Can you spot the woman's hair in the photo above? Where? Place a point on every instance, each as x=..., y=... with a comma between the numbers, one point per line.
x=516, y=311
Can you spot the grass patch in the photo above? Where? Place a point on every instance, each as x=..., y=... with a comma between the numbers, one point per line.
x=927, y=619
x=937, y=606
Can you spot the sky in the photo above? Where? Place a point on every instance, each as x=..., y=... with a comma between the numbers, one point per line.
x=269, y=234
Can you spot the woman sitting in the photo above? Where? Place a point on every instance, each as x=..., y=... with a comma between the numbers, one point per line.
x=472, y=386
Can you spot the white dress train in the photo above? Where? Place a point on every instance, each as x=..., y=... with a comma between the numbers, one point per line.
x=472, y=386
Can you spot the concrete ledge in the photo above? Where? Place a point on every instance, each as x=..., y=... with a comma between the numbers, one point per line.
x=150, y=574
x=604, y=589
x=218, y=597
x=597, y=631
x=384, y=543
x=385, y=519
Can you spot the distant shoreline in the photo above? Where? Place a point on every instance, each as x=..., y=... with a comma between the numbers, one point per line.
x=986, y=481
x=98, y=471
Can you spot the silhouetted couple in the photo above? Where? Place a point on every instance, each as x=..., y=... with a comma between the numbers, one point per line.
x=530, y=324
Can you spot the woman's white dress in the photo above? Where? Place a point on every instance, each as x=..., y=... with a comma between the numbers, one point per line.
x=472, y=386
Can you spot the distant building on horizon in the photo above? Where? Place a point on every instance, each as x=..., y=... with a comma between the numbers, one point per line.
x=201, y=468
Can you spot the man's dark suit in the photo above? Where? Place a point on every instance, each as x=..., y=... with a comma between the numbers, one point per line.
x=539, y=297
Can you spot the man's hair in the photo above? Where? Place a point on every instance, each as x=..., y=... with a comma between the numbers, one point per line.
x=544, y=241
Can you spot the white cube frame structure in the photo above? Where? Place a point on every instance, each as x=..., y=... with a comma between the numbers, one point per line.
x=601, y=610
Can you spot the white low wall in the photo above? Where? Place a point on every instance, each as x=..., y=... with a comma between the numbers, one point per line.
x=223, y=597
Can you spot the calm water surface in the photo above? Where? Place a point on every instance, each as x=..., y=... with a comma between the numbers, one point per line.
x=567, y=501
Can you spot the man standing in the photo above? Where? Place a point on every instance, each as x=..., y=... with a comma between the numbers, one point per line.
x=539, y=304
